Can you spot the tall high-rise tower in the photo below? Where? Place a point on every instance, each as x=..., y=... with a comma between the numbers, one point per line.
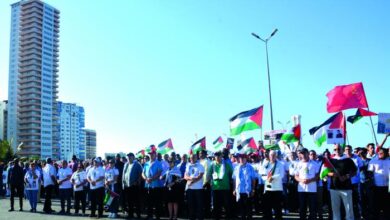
x=72, y=121
x=33, y=79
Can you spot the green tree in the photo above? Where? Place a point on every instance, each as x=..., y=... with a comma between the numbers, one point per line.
x=6, y=152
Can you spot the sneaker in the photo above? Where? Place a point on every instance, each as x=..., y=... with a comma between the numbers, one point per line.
x=11, y=210
x=21, y=210
x=31, y=210
x=114, y=215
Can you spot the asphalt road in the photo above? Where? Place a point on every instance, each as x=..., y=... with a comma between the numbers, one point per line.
x=26, y=215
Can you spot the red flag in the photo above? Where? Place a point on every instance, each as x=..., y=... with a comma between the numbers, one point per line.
x=346, y=97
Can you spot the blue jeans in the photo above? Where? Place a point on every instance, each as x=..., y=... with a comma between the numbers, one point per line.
x=345, y=196
x=32, y=196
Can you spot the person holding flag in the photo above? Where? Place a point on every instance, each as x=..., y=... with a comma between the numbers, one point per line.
x=342, y=170
x=172, y=178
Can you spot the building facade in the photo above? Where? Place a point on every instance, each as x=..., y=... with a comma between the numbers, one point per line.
x=71, y=125
x=33, y=79
x=90, y=143
x=3, y=120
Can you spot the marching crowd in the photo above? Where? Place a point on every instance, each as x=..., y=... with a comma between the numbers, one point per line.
x=350, y=183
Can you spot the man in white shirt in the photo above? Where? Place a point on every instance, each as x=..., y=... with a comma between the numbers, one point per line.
x=306, y=174
x=95, y=177
x=65, y=187
x=380, y=166
x=194, y=176
x=49, y=178
x=273, y=187
x=206, y=163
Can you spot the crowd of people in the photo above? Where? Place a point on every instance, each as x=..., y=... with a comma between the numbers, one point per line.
x=350, y=183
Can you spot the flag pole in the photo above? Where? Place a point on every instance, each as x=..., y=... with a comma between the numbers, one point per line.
x=372, y=127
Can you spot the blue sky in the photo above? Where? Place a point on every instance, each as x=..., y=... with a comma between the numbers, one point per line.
x=146, y=71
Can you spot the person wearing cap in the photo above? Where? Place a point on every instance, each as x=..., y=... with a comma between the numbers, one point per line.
x=244, y=179
x=153, y=185
x=273, y=186
x=194, y=187
x=15, y=181
x=111, y=178
x=95, y=177
x=79, y=180
x=132, y=174
x=65, y=187
x=220, y=173
x=306, y=174
x=49, y=180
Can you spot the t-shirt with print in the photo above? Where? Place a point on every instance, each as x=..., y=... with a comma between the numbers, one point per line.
x=94, y=174
x=194, y=170
x=78, y=178
x=32, y=184
x=307, y=170
x=110, y=176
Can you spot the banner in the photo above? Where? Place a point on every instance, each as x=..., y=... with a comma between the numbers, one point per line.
x=383, y=123
x=335, y=136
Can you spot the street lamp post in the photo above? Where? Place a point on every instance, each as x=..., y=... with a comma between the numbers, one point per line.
x=269, y=78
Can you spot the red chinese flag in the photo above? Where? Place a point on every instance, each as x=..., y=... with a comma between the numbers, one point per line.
x=346, y=97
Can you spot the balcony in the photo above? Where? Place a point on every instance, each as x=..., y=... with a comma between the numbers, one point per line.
x=29, y=68
x=30, y=41
x=24, y=59
x=28, y=10
x=31, y=19
x=30, y=47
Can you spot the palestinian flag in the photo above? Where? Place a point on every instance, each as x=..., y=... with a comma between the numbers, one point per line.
x=165, y=147
x=247, y=147
x=151, y=148
x=198, y=146
x=218, y=143
x=293, y=135
x=319, y=132
x=140, y=154
x=360, y=113
x=325, y=168
x=246, y=121
x=272, y=147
